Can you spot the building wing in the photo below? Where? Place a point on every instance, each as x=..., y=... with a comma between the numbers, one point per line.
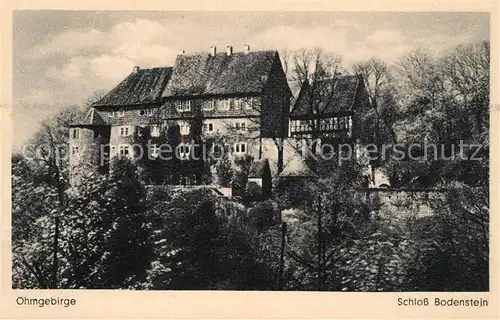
x=143, y=86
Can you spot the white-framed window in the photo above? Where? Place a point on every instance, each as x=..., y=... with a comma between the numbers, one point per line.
x=124, y=131
x=208, y=126
x=111, y=114
x=249, y=102
x=240, y=148
x=330, y=124
x=120, y=113
x=225, y=104
x=155, y=150
x=75, y=150
x=183, y=106
x=155, y=130
x=238, y=103
x=209, y=105
x=184, y=150
x=184, y=128
x=124, y=150
x=240, y=125
x=75, y=134
x=341, y=123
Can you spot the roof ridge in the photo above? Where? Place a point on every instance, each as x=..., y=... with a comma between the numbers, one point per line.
x=194, y=53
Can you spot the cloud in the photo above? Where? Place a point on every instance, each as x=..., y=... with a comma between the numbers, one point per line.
x=337, y=39
x=111, y=68
x=81, y=61
x=69, y=43
x=141, y=32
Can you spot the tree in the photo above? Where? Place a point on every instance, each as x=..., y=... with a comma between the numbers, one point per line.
x=94, y=97
x=331, y=216
x=224, y=170
x=48, y=171
x=436, y=107
x=102, y=240
x=197, y=248
x=378, y=82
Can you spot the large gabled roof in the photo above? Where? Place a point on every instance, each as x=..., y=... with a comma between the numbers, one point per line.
x=143, y=86
x=202, y=74
x=330, y=95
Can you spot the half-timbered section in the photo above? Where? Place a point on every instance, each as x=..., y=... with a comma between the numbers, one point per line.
x=329, y=109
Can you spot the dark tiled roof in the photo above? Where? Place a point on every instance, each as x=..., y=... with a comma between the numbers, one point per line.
x=334, y=96
x=204, y=74
x=141, y=87
x=258, y=168
x=90, y=118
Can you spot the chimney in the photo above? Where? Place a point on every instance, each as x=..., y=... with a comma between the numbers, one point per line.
x=213, y=50
x=182, y=51
x=246, y=48
x=136, y=68
x=229, y=50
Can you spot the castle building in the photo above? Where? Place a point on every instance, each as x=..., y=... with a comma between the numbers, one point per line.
x=241, y=98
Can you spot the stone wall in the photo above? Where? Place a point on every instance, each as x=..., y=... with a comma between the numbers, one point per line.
x=408, y=203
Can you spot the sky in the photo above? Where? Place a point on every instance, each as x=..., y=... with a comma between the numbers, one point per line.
x=61, y=57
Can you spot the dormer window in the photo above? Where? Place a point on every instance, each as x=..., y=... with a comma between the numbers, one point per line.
x=225, y=104
x=184, y=106
x=120, y=113
x=249, y=103
x=111, y=114
x=209, y=105
x=142, y=112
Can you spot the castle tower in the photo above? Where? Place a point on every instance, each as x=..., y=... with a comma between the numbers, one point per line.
x=88, y=145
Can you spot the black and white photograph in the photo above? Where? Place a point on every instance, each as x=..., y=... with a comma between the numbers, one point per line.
x=251, y=151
